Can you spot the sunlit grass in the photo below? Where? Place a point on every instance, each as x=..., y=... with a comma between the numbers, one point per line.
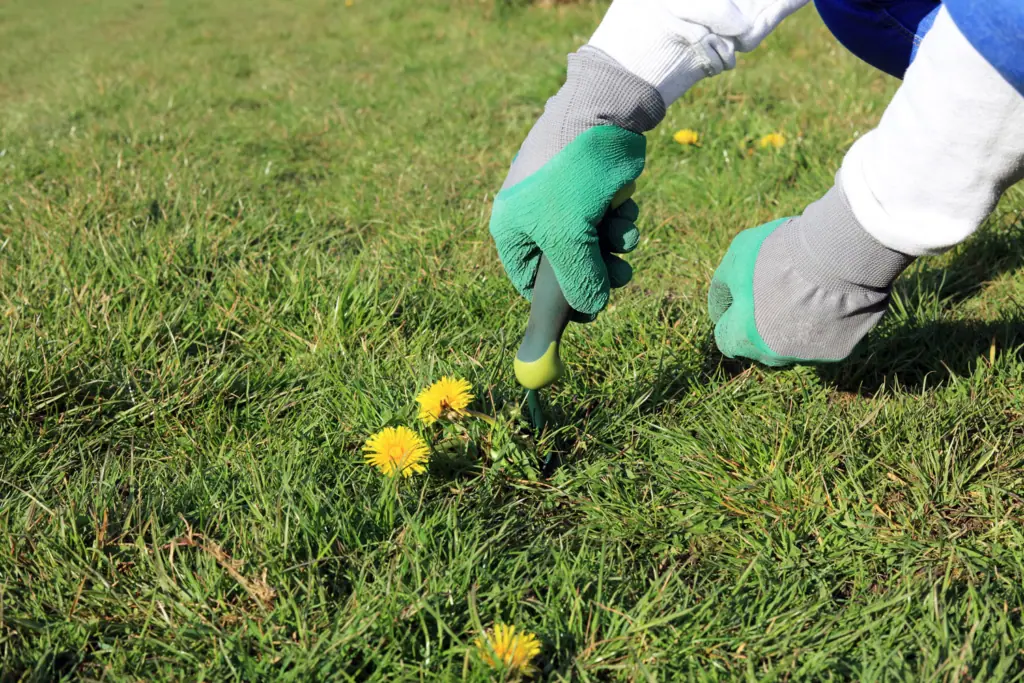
x=238, y=239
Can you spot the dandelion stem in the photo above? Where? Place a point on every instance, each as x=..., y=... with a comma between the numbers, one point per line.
x=483, y=416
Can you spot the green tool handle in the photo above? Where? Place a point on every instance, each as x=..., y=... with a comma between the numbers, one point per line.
x=537, y=362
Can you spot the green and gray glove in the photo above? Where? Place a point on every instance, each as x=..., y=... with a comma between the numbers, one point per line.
x=586, y=148
x=804, y=289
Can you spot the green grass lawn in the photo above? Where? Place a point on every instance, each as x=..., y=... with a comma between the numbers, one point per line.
x=237, y=238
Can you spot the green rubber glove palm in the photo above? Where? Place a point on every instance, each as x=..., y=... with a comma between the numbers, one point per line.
x=731, y=300
x=563, y=211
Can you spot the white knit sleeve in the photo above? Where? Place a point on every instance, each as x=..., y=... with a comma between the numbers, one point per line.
x=948, y=145
x=672, y=44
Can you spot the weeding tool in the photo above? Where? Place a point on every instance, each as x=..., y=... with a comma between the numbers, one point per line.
x=537, y=362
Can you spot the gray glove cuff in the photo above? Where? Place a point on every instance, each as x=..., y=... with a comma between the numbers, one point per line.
x=598, y=91
x=832, y=250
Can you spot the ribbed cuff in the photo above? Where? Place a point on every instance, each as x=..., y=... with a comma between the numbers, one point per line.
x=598, y=91
x=830, y=248
x=604, y=93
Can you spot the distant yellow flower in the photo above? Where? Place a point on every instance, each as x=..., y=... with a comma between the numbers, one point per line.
x=513, y=650
x=396, y=449
x=775, y=140
x=445, y=395
x=686, y=137
x=349, y=3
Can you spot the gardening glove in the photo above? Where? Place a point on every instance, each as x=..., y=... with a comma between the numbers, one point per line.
x=804, y=289
x=586, y=148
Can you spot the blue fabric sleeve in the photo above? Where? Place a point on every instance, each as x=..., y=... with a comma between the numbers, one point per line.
x=996, y=29
x=884, y=33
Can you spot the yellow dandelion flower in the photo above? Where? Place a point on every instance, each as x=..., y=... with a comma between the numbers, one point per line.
x=775, y=140
x=445, y=395
x=396, y=449
x=514, y=650
x=686, y=137
x=349, y=3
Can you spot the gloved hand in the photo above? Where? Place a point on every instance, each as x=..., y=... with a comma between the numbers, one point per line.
x=586, y=149
x=804, y=289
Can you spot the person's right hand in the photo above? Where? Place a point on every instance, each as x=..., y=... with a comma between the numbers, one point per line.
x=579, y=160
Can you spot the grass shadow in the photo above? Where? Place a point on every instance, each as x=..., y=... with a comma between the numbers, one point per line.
x=925, y=357
x=986, y=256
x=458, y=465
x=914, y=358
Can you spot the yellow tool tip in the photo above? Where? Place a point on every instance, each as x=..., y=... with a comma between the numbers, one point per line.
x=539, y=373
